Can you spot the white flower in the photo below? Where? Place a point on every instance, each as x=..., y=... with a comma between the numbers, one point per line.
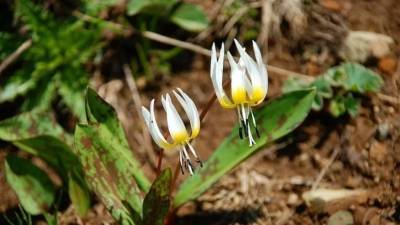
x=179, y=134
x=249, y=84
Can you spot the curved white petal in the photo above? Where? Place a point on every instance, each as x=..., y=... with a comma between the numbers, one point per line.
x=261, y=67
x=256, y=72
x=216, y=72
x=176, y=126
x=151, y=123
x=238, y=82
x=191, y=110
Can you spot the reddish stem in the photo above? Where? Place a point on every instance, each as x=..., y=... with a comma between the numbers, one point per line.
x=159, y=163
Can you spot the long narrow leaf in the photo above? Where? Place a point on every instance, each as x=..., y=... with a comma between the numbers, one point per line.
x=276, y=119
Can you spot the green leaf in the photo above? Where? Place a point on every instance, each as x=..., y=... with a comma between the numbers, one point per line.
x=93, y=7
x=339, y=105
x=38, y=134
x=109, y=165
x=190, y=17
x=107, y=172
x=18, y=84
x=354, y=77
x=276, y=119
x=29, y=125
x=101, y=114
x=157, y=201
x=51, y=219
x=79, y=195
x=34, y=189
x=156, y=7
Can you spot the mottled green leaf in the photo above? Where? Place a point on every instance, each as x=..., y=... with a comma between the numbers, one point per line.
x=101, y=114
x=275, y=120
x=29, y=125
x=110, y=167
x=155, y=7
x=106, y=173
x=190, y=17
x=34, y=189
x=157, y=201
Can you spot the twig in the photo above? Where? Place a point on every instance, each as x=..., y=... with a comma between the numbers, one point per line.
x=138, y=103
x=388, y=98
x=325, y=169
x=14, y=56
x=175, y=42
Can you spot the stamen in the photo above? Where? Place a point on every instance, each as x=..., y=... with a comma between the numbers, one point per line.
x=198, y=160
x=188, y=162
x=254, y=122
x=181, y=161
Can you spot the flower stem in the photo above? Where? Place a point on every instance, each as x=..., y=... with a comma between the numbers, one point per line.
x=159, y=163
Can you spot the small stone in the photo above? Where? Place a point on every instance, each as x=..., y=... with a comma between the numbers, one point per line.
x=388, y=65
x=378, y=151
x=293, y=199
x=383, y=130
x=341, y=218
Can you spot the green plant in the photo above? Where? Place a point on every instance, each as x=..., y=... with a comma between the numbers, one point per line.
x=113, y=172
x=341, y=86
x=53, y=65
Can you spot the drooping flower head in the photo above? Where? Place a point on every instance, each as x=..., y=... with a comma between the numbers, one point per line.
x=249, y=85
x=179, y=134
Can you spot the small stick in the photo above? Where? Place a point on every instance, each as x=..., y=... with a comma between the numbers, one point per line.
x=14, y=56
x=138, y=103
x=325, y=169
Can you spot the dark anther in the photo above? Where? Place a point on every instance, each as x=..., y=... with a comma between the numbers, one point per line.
x=240, y=133
x=258, y=133
x=182, y=169
x=244, y=125
x=200, y=162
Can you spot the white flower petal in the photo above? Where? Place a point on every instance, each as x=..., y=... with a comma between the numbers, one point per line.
x=217, y=75
x=238, y=83
x=191, y=110
x=154, y=130
x=261, y=67
x=176, y=126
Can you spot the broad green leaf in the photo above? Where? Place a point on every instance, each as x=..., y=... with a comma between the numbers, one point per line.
x=39, y=134
x=155, y=7
x=190, y=17
x=31, y=124
x=105, y=118
x=107, y=172
x=355, y=77
x=157, y=201
x=34, y=189
x=276, y=119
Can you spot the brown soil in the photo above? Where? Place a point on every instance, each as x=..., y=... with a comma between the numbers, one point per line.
x=268, y=188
